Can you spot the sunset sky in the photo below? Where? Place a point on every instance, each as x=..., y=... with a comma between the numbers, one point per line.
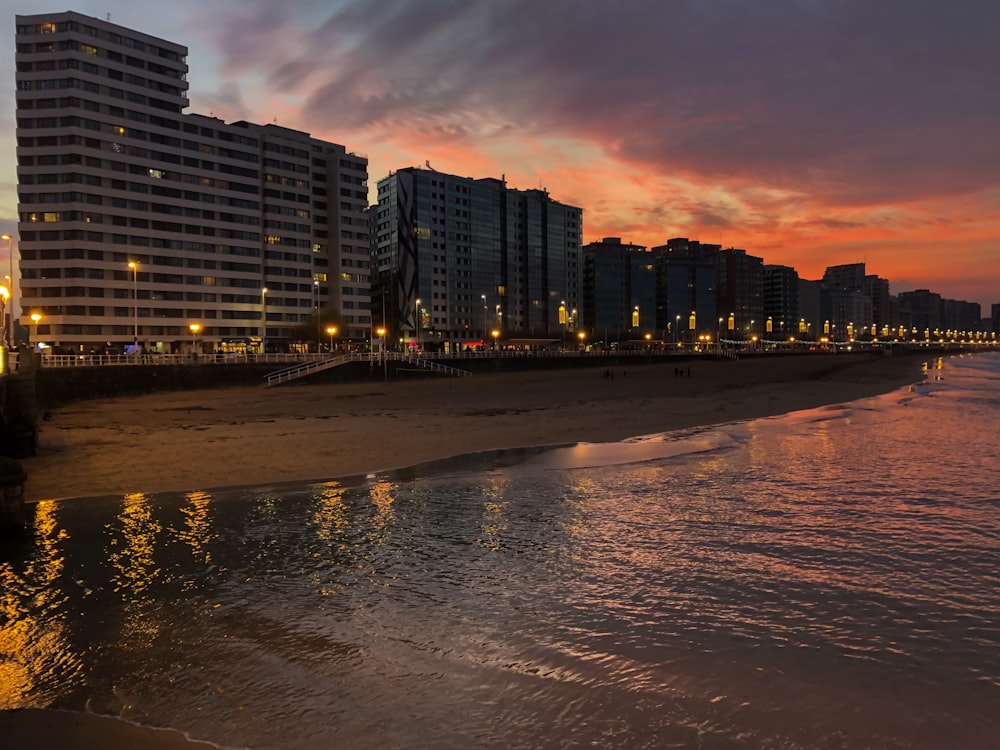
x=809, y=132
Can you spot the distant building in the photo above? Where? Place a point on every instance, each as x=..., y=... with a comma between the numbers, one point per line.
x=619, y=291
x=687, y=279
x=741, y=291
x=137, y=220
x=456, y=258
x=877, y=290
x=781, y=302
x=923, y=309
x=847, y=307
x=810, y=310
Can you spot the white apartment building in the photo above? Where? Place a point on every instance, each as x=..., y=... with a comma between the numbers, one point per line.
x=140, y=223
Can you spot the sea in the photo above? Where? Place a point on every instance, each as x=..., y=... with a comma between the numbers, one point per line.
x=823, y=579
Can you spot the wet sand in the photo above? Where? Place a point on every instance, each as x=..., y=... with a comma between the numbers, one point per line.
x=199, y=440
x=249, y=435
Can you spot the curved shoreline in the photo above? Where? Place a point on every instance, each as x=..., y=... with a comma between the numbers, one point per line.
x=169, y=442
x=183, y=441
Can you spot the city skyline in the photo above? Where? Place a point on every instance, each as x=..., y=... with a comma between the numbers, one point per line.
x=808, y=135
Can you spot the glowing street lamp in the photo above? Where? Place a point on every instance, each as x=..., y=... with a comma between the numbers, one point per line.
x=495, y=334
x=416, y=322
x=195, y=328
x=10, y=288
x=35, y=317
x=318, y=324
x=4, y=299
x=134, y=266
x=331, y=332
x=385, y=365
x=263, y=319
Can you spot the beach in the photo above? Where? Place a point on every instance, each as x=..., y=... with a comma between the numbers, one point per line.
x=198, y=440
x=184, y=441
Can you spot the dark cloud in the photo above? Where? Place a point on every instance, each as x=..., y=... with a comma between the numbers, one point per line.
x=851, y=101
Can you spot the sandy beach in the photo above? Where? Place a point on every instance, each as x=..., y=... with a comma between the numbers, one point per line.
x=199, y=440
x=249, y=435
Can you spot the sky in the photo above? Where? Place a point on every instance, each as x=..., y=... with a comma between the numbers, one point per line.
x=808, y=132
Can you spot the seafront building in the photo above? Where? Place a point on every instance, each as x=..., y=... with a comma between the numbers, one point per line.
x=619, y=291
x=461, y=263
x=144, y=225
x=781, y=303
x=688, y=284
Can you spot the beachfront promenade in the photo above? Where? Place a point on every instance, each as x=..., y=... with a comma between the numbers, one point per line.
x=725, y=349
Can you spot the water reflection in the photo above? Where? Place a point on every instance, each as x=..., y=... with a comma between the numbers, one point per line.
x=38, y=662
x=494, y=509
x=197, y=532
x=799, y=582
x=132, y=544
x=381, y=493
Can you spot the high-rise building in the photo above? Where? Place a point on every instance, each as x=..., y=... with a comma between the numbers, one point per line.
x=877, y=290
x=619, y=291
x=741, y=291
x=457, y=258
x=781, y=302
x=142, y=224
x=687, y=302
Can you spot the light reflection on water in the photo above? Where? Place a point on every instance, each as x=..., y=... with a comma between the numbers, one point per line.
x=822, y=580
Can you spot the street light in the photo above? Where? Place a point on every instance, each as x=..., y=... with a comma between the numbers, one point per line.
x=332, y=331
x=135, y=305
x=4, y=299
x=10, y=281
x=194, y=328
x=263, y=319
x=564, y=321
x=385, y=364
x=35, y=317
x=495, y=334
x=484, y=317
x=416, y=322
x=318, y=324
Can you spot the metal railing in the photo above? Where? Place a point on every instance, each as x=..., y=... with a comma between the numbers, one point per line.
x=724, y=348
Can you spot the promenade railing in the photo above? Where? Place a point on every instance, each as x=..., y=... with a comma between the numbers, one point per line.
x=726, y=348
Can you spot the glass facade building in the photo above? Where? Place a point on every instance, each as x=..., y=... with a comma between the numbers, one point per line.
x=456, y=260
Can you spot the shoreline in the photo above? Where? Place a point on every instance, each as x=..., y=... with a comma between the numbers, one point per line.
x=297, y=434
x=200, y=440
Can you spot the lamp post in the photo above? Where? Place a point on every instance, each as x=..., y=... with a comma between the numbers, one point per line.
x=416, y=322
x=318, y=324
x=194, y=328
x=483, y=296
x=10, y=288
x=385, y=366
x=263, y=320
x=135, y=305
x=4, y=299
x=562, y=320
x=718, y=336
x=35, y=317
x=332, y=331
